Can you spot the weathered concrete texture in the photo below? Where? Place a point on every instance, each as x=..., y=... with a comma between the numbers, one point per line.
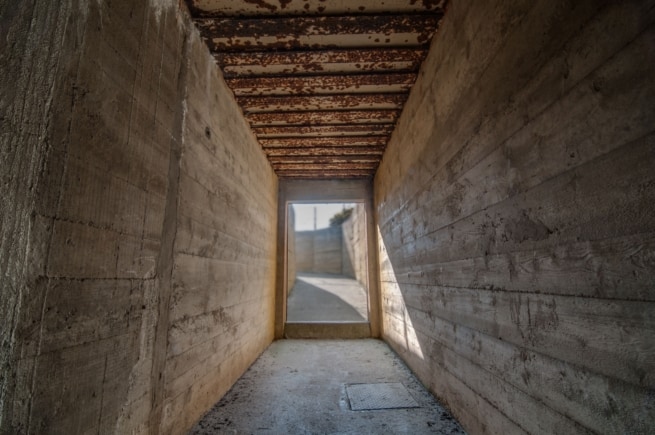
x=119, y=213
x=339, y=250
x=27, y=85
x=82, y=329
x=319, y=251
x=221, y=313
x=299, y=387
x=516, y=215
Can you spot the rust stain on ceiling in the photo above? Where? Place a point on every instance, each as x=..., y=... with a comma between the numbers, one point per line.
x=321, y=82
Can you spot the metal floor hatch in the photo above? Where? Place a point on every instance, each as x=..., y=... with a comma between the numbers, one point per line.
x=388, y=395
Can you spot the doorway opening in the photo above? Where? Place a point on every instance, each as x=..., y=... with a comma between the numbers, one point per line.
x=359, y=194
x=327, y=264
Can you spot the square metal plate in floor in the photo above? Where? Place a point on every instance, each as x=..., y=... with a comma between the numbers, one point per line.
x=365, y=397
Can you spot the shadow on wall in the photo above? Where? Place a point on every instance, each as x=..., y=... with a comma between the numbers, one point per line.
x=478, y=346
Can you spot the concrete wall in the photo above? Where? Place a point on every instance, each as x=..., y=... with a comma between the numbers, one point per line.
x=339, y=250
x=224, y=255
x=137, y=227
x=354, y=261
x=319, y=251
x=304, y=249
x=516, y=214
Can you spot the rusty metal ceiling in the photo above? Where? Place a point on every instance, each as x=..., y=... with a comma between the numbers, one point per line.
x=321, y=82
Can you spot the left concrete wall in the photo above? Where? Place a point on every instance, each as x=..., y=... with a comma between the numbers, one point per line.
x=223, y=275
x=137, y=237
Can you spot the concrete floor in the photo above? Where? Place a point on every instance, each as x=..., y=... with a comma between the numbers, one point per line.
x=327, y=298
x=300, y=387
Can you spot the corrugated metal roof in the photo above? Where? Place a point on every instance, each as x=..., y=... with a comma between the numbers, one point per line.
x=321, y=82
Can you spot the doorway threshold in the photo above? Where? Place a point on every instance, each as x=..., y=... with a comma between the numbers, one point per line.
x=327, y=330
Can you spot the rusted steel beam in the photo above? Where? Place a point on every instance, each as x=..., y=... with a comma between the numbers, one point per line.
x=328, y=84
x=324, y=131
x=218, y=8
x=294, y=33
x=322, y=102
x=318, y=68
x=361, y=55
x=324, y=117
x=362, y=171
x=321, y=83
x=317, y=62
x=334, y=151
x=325, y=175
x=317, y=142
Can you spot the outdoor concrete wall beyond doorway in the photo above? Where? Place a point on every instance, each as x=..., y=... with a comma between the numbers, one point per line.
x=325, y=191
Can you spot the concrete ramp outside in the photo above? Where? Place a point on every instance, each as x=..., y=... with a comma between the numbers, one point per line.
x=327, y=306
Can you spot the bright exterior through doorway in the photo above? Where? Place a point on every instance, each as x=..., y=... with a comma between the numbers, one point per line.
x=327, y=298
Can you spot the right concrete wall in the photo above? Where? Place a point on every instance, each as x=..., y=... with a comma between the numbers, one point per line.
x=515, y=211
x=355, y=260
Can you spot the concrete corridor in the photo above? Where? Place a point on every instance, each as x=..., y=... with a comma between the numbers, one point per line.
x=327, y=298
x=315, y=387
x=503, y=170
